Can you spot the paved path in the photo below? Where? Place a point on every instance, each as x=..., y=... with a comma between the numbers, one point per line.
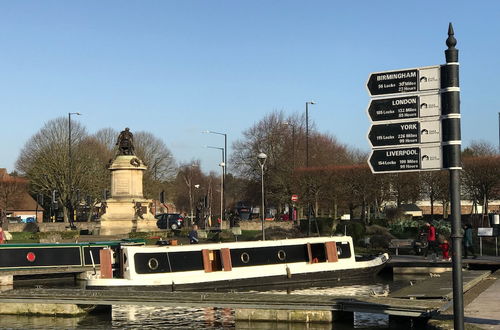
x=484, y=311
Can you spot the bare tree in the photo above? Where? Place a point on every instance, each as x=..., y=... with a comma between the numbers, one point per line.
x=188, y=176
x=159, y=160
x=44, y=160
x=91, y=174
x=435, y=187
x=282, y=139
x=481, y=179
x=481, y=175
x=405, y=187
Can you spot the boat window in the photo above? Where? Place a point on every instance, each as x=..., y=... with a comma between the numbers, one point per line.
x=212, y=260
x=245, y=257
x=343, y=250
x=153, y=263
x=316, y=252
x=281, y=255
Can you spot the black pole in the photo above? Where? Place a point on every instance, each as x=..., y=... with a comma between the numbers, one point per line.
x=450, y=103
x=307, y=134
x=224, y=177
x=70, y=177
x=307, y=165
x=293, y=145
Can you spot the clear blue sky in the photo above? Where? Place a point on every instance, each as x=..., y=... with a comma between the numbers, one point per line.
x=176, y=68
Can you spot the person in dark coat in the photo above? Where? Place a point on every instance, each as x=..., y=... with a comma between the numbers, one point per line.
x=468, y=243
x=193, y=235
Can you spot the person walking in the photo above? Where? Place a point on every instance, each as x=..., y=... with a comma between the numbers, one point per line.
x=468, y=243
x=445, y=248
x=193, y=235
x=2, y=236
x=431, y=241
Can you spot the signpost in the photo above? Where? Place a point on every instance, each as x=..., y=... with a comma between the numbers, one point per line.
x=404, y=81
x=405, y=133
x=415, y=116
x=405, y=107
x=405, y=159
x=406, y=130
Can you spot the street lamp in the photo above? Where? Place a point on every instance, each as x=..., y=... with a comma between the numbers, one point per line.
x=307, y=131
x=262, y=160
x=70, y=167
x=307, y=165
x=224, y=160
x=223, y=166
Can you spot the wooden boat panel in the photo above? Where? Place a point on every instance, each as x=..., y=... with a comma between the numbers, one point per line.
x=106, y=255
x=331, y=252
x=226, y=259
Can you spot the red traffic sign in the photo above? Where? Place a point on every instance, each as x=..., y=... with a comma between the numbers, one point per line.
x=295, y=198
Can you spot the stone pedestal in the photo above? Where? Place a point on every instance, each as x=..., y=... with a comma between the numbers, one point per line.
x=127, y=210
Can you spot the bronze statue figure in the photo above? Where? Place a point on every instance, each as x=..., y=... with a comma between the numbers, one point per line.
x=125, y=143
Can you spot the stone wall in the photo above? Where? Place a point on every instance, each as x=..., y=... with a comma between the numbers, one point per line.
x=257, y=224
x=51, y=226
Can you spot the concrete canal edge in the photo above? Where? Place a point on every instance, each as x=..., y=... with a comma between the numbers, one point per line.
x=45, y=309
x=298, y=316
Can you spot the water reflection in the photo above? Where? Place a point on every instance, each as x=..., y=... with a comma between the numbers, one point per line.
x=159, y=317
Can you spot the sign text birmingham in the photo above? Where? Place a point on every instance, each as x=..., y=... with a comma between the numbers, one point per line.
x=399, y=75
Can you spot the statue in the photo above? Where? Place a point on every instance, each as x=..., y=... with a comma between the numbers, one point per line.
x=125, y=143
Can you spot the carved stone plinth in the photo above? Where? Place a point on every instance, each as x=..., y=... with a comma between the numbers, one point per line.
x=127, y=210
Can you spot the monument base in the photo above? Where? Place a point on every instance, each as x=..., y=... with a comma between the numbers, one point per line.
x=123, y=217
x=127, y=226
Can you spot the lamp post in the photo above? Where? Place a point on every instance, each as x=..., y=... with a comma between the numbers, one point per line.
x=307, y=131
x=222, y=165
x=262, y=160
x=222, y=185
x=307, y=165
x=70, y=168
x=224, y=161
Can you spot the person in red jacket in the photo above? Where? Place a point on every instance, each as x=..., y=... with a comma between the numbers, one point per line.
x=445, y=248
x=2, y=236
x=431, y=240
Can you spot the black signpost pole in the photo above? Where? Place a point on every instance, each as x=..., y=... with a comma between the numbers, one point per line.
x=450, y=99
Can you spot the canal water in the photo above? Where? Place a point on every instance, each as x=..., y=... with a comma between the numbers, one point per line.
x=153, y=317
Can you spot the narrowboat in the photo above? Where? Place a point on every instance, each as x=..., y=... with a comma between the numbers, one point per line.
x=234, y=265
x=33, y=256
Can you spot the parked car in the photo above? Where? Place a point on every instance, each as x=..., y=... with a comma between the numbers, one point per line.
x=29, y=220
x=169, y=220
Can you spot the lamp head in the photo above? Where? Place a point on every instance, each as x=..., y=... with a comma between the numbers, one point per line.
x=262, y=156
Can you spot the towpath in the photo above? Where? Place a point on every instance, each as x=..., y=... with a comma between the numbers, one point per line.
x=484, y=310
